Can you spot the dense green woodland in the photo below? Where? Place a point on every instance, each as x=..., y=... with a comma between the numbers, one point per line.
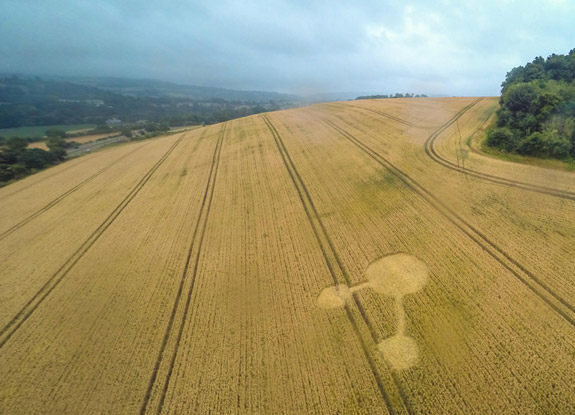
x=536, y=116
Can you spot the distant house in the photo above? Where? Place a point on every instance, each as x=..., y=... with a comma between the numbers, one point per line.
x=113, y=122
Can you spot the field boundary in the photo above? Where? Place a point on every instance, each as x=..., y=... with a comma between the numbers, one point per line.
x=16, y=322
x=337, y=270
x=193, y=252
x=532, y=282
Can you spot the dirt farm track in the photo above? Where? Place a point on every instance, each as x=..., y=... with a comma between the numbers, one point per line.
x=342, y=258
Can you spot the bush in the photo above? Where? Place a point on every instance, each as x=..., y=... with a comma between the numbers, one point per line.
x=546, y=144
x=559, y=147
x=501, y=138
x=56, y=143
x=518, y=98
x=532, y=145
x=36, y=158
x=59, y=154
x=55, y=132
x=6, y=173
x=18, y=170
x=16, y=143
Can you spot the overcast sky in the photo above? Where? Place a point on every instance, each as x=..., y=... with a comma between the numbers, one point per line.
x=299, y=46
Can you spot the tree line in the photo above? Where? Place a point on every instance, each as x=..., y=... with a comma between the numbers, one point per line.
x=397, y=95
x=536, y=116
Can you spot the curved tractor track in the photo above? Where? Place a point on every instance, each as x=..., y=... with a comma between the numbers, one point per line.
x=46, y=177
x=435, y=156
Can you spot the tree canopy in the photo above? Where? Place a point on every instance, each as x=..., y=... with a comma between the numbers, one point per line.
x=537, y=109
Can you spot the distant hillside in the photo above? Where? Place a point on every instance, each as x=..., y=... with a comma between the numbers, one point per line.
x=31, y=101
x=154, y=88
x=537, y=109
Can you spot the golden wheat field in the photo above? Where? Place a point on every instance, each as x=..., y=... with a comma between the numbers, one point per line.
x=344, y=258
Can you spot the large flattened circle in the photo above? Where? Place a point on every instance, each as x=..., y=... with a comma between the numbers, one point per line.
x=397, y=275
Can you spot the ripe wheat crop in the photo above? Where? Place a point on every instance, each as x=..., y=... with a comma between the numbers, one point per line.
x=355, y=258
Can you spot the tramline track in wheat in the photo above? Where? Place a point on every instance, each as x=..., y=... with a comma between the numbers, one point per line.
x=63, y=196
x=59, y=171
x=384, y=114
x=533, y=283
x=339, y=275
x=193, y=256
x=16, y=322
x=436, y=157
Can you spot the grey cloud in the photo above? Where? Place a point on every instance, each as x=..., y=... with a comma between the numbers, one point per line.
x=440, y=47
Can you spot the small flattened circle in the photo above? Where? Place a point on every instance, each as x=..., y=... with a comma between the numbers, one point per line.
x=334, y=297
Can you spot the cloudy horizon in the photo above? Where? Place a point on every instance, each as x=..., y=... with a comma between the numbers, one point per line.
x=317, y=46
